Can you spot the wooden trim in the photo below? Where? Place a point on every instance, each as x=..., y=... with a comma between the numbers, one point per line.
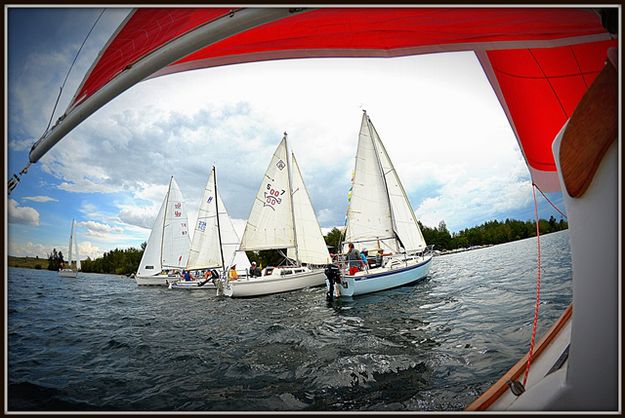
x=495, y=391
x=593, y=127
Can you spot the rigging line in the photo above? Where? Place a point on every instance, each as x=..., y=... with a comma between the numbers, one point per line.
x=578, y=66
x=550, y=202
x=566, y=115
x=72, y=66
x=534, y=325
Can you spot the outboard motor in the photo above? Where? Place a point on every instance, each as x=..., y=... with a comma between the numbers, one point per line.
x=333, y=275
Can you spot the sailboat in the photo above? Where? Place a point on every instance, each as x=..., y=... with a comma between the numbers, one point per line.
x=380, y=217
x=539, y=62
x=70, y=272
x=168, y=245
x=215, y=242
x=282, y=217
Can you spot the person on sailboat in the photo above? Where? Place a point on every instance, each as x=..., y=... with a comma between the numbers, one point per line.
x=379, y=258
x=254, y=271
x=233, y=275
x=353, y=259
x=363, y=257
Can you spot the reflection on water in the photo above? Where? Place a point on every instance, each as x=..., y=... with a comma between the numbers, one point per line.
x=101, y=343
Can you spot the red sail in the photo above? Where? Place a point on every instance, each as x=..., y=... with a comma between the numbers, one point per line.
x=540, y=61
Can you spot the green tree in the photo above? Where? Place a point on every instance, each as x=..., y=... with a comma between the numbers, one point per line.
x=333, y=239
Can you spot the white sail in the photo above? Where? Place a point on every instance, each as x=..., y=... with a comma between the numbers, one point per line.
x=311, y=246
x=151, y=260
x=71, y=242
x=379, y=212
x=404, y=220
x=176, y=243
x=230, y=240
x=369, y=220
x=270, y=223
x=204, y=252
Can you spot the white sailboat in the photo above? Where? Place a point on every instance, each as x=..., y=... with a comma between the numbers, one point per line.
x=168, y=245
x=380, y=216
x=282, y=217
x=71, y=272
x=215, y=242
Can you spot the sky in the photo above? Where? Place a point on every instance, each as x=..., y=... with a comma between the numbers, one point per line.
x=436, y=114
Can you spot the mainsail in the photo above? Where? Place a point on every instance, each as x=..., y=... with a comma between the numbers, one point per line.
x=168, y=244
x=211, y=230
x=270, y=224
x=73, y=243
x=176, y=243
x=283, y=216
x=379, y=212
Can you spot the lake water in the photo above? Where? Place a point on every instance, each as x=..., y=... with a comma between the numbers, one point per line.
x=100, y=342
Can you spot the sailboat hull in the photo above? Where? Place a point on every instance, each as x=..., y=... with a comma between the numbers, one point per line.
x=193, y=285
x=68, y=273
x=267, y=285
x=160, y=280
x=376, y=280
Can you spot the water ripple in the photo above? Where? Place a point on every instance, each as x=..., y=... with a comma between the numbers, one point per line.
x=101, y=343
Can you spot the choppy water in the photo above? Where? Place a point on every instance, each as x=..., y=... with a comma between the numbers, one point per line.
x=101, y=343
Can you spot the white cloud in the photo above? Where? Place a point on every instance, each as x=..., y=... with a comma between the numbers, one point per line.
x=21, y=144
x=473, y=201
x=29, y=249
x=100, y=228
x=40, y=198
x=437, y=117
x=22, y=214
x=87, y=249
x=139, y=216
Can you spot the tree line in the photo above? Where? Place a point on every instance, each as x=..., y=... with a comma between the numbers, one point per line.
x=117, y=261
x=490, y=232
x=126, y=261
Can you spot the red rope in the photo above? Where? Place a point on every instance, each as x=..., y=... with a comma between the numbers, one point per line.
x=529, y=357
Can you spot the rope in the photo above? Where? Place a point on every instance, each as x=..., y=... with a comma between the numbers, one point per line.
x=550, y=202
x=72, y=66
x=529, y=358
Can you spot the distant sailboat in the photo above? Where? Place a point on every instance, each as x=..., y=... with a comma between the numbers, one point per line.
x=380, y=217
x=282, y=217
x=215, y=241
x=168, y=245
x=71, y=272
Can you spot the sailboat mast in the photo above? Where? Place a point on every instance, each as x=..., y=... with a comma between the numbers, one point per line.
x=221, y=249
x=288, y=172
x=377, y=155
x=164, y=219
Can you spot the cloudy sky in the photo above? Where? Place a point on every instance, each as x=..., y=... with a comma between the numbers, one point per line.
x=436, y=114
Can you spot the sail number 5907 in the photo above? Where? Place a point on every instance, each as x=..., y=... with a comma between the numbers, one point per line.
x=272, y=196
